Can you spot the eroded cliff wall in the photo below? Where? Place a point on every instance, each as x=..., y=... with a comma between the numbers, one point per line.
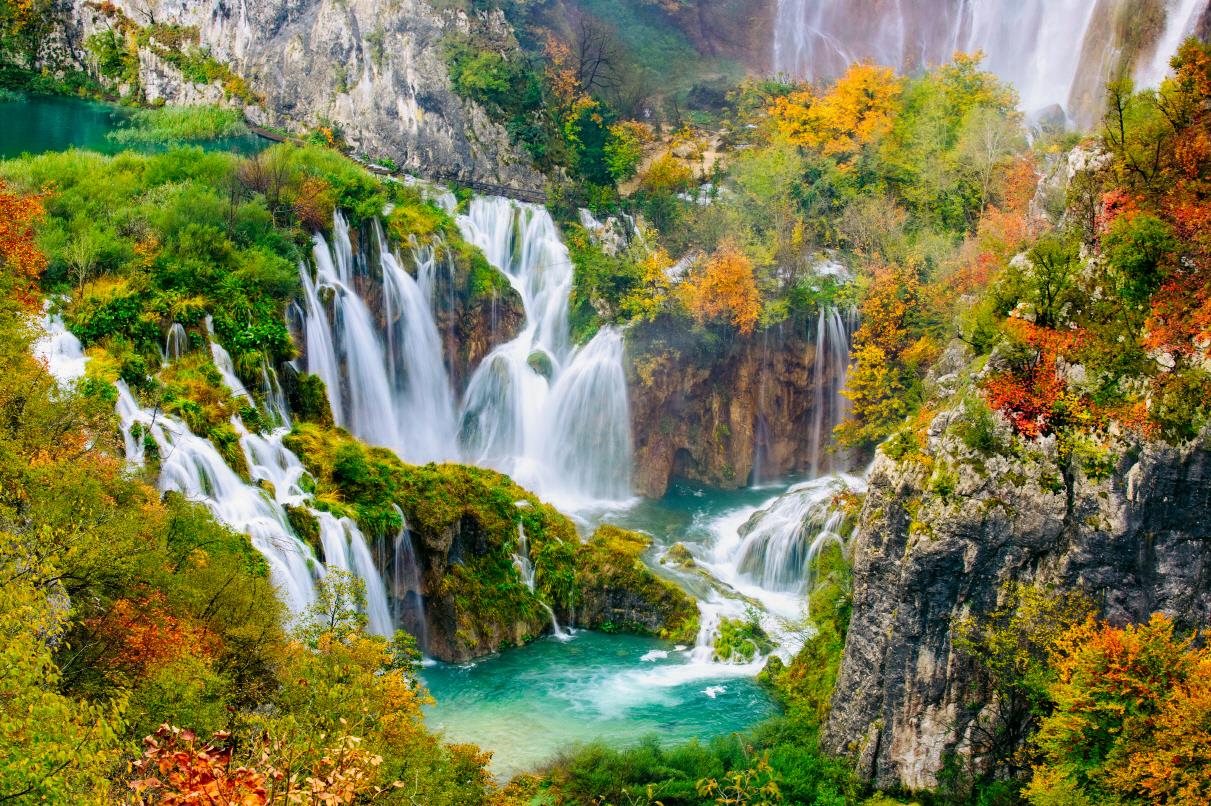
x=374, y=69
x=943, y=531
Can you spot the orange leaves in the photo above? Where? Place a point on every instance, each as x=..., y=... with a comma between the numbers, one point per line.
x=179, y=773
x=144, y=636
x=725, y=287
x=1132, y=716
x=19, y=256
x=857, y=110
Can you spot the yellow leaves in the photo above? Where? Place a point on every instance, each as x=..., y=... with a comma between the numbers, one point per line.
x=725, y=287
x=1132, y=718
x=858, y=109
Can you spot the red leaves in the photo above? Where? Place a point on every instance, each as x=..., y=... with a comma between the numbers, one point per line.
x=179, y=773
x=1033, y=396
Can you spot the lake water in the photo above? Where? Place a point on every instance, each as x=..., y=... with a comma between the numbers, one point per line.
x=528, y=704
x=39, y=123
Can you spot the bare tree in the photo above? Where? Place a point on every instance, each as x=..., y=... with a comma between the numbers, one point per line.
x=596, y=54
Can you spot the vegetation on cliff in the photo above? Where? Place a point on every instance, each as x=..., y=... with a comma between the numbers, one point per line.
x=617, y=591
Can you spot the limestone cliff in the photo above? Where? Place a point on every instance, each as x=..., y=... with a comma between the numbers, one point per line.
x=944, y=528
x=373, y=69
x=724, y=411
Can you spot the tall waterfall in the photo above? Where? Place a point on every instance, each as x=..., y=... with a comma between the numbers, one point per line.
x=386, y=382
x=829, y=370
x=553, y=416
x=1041, y=47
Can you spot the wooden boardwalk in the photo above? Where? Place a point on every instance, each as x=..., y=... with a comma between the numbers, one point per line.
x=440, y=177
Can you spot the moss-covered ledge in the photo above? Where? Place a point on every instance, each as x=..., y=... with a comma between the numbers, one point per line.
x=616, y=591
x=463, y=523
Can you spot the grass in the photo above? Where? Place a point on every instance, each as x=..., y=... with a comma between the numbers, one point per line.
x=173, y=124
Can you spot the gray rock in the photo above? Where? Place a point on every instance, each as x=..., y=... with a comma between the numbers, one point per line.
x=375, y=69
x=1137, y=542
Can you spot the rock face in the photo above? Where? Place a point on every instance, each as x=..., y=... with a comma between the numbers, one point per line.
x=929, y=550
x=724, y=413
x=373, y=69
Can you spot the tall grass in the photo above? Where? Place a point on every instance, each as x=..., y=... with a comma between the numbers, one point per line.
x=172, y=124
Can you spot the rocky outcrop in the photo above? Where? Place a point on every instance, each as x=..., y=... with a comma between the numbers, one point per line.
x=475, y=309
x=617, y=591
x=940, y=534
x=724, y=411
x=373, y=70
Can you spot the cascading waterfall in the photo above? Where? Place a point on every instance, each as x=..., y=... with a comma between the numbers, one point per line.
x=779, y=543
x=1041, y=47
x=554, y=417
x=829, y=371
x=525, y=570
x=193, y=467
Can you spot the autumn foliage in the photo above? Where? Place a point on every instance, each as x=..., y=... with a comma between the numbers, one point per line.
x=1131, y=720
x=859, y=108
x=724, y=288
x=19, y=256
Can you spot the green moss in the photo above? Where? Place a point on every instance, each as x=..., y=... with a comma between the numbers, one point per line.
x=609, y=567
x=474, y=511
x=741, y=640
x=309, y=399
x=306, y=527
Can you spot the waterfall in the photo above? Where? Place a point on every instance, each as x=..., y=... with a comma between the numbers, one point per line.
x=829, y=370
x=1181, y=20
x=348, y=353
x=587, y=448
x=61, y=351
x=1041, y=47
x=193, y=467
x=176, y=343
x=521, y=559
x=407, y=579
x=779, y=543
x=554, y=418
x=345, y=549
x=421, y=397
x=525, y=570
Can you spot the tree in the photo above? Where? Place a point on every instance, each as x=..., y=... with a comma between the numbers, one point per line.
x=52, y=748
x=18, y=253
x=857, y=110
x=624, y=149
x=1132, y=710
x=725, y=287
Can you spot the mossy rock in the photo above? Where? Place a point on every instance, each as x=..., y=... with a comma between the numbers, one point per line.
x=466, y=522
x=540, y=362
x=679, y=556
x=741, y=640
x=617, y=591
